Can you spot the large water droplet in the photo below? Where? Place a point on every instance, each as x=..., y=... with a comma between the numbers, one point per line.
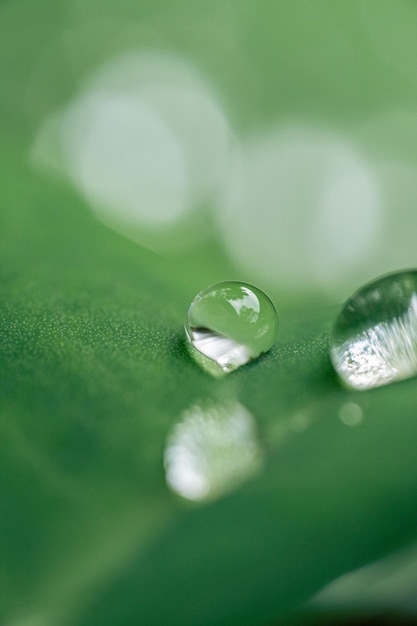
x=374, y=340
x=231, y=323
x=211, y=450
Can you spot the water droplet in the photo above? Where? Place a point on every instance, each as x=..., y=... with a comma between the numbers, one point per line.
x=211, y=450
x=148, y=145
x=230, y=323
x=317, y=179
x=350, y=414
x=374, y=340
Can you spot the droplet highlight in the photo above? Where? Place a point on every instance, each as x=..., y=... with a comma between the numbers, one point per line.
x=229, y=324
x=212, y=450
x=374, y=339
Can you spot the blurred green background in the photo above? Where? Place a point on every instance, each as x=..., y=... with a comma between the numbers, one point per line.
x=149, y=149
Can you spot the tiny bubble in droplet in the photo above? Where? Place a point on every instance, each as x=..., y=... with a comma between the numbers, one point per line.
x=229, y=324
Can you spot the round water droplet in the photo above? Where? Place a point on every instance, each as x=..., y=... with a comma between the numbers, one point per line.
x=350, y=414
x=231, y=323
x=374, y=340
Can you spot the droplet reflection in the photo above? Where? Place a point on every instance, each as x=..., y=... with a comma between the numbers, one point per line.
x=211, y=450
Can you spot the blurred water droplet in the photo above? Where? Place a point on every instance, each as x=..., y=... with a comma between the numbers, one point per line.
x=374, y=340
x=231, y=323
x=125, y=159
x=350, y=414
x=211, y=450
x=290, y=196
x=148, y=145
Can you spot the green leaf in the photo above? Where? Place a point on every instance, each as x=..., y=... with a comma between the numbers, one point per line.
x=94, y=375
x=94, y=368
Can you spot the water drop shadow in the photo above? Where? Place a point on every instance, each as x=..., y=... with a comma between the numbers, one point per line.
x=188, y=354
